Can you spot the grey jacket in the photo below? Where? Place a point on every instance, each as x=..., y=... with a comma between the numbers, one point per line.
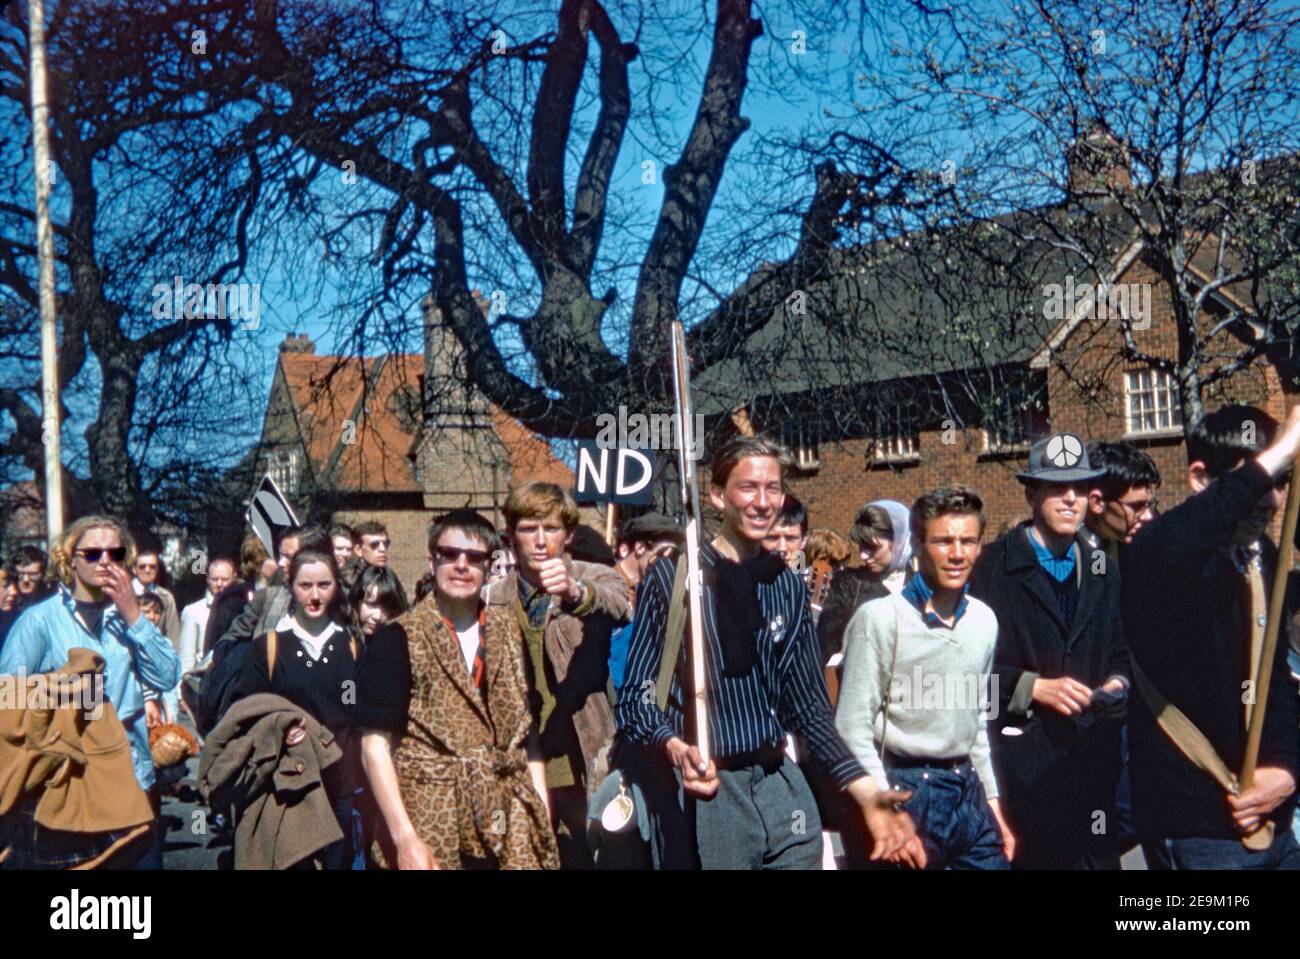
x=285, y=813
x=261, y=614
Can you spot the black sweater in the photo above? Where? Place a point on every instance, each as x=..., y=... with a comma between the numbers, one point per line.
x=850, y=588
x=1185, y=613
x=326, y=689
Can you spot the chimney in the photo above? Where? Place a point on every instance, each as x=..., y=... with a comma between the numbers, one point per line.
x=1098, y=164
x=297, y=343
x=449, y=397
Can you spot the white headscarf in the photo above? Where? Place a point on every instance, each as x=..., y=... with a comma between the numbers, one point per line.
x=900, y=517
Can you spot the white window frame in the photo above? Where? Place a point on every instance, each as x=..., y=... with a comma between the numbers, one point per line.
x=1152, y=406
x=897, y=438
x=802, y=441
x=995, y=443
x=282, y=465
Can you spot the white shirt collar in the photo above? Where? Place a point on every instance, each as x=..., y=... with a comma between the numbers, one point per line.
x=313, y=644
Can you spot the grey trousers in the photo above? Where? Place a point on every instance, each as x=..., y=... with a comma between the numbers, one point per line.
x=760, y=818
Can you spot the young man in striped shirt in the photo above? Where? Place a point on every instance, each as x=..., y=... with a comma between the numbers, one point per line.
x=750, y=805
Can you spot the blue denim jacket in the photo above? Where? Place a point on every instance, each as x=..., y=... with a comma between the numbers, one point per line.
x=134, y=657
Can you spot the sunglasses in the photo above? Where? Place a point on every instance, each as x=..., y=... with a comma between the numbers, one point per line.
x=376, y=543
x=117, y=554
x=446, y=554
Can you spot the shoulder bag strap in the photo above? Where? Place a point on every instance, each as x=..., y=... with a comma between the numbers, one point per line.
x=673, y=634
x=889, y=688
x=1190, y=740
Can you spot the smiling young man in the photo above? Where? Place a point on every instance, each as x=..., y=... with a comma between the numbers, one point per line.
x=344, y=545
x=892, y=647
x=1195, y=604
x=1061, y=667
x=751, y=805
x=567, y=610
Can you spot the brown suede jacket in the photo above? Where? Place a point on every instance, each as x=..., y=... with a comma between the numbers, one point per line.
x=577, y=649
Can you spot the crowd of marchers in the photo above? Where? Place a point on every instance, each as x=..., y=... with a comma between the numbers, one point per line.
x=915, y=694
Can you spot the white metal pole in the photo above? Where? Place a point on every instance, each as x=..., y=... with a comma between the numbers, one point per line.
x=45, y=257
x=694, y=527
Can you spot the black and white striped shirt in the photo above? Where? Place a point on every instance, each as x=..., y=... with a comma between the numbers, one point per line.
x=784, y=691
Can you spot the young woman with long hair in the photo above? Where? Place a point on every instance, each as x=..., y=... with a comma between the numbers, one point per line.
x=310, y=659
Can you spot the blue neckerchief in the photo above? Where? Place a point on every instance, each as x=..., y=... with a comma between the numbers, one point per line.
x=1243, y=557
x=918, y=592
x=1058, y=567
x=535, y=602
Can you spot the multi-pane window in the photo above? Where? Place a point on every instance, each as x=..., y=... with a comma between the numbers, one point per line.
x=1015, y=420
x=801, y=438
x=896, y=437
x=283, y=467
x=1151, y=403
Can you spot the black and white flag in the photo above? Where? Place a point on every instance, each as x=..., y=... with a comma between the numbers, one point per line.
x=269, y=512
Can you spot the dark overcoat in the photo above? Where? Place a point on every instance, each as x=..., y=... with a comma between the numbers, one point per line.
x=1057, y=774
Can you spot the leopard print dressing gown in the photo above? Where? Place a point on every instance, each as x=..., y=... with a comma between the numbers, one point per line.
x=461, y=764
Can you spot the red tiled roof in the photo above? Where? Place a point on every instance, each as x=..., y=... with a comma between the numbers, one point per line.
x=530, y=455
x=326, y=393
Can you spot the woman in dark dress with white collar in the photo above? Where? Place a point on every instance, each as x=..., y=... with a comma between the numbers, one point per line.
x=310, y=659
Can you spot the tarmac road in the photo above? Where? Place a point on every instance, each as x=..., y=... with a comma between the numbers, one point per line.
x=192, y=840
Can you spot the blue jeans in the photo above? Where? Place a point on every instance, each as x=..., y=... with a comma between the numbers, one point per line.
x=1197, y=853
x=952, y=816
x=338, y=855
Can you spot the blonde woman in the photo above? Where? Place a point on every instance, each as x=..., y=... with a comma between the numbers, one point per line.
x=95, y=608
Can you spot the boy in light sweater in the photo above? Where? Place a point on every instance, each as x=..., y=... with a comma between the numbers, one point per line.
x=916, y=673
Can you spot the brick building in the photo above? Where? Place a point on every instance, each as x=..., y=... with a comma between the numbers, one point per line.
x=22, y=518
x=395, y=438
x=967, y=408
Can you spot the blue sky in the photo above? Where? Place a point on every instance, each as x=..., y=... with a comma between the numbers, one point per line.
x=301, y=297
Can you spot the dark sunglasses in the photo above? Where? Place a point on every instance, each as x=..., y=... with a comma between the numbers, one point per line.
x=376, y=543
x=117, y=554
x=445, y=554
